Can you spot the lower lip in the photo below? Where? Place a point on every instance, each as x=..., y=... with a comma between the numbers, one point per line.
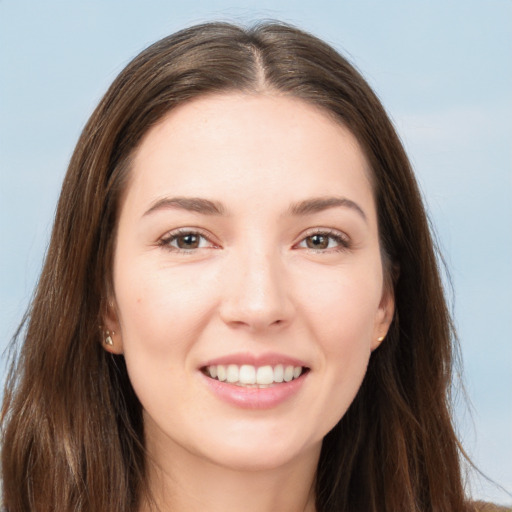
x=255, y=398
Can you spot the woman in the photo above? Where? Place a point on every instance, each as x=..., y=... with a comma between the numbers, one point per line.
x=240, y=305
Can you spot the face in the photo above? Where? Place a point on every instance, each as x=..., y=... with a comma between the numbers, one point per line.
x=248, y=281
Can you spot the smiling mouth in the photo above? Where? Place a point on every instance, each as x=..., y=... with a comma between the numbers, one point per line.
x=250, y=376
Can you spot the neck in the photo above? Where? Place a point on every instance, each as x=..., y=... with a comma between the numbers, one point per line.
x=183, y=482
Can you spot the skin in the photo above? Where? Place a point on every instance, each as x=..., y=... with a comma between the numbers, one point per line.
x=255, y=283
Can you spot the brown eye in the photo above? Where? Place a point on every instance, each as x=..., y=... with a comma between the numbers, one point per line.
x=188, y=241
x=324, y=241
x=317, y=242
x=185, y=241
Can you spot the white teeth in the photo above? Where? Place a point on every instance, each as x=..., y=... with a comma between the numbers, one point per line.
x=265, y=375
x=247, y=374
x=279, y=373
x=221, y=372
x=251, y=376
x=288, y=373
x=232, y=373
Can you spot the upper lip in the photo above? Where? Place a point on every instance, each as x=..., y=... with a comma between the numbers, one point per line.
x=269, y=358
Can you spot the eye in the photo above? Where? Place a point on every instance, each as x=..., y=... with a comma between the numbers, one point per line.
x=324, y=241
x=185, y=240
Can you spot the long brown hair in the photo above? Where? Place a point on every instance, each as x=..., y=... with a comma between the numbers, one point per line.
x=72, y=425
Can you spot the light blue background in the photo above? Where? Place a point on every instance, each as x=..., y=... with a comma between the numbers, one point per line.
x=442, y=69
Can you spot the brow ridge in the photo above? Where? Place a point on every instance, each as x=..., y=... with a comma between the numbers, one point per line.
x=209, y=207
x=319, y=204
x=193, y=204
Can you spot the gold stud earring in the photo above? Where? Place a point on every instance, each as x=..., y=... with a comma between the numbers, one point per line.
x=108, y=338
x=380, y=339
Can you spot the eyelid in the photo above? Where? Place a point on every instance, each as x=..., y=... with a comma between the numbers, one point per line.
x=343, y=239
x=165, y=240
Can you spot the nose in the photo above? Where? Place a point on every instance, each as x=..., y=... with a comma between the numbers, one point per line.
x=256, y=293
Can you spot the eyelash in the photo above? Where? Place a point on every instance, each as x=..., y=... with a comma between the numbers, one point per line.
x=342, y=242
x=173, y=236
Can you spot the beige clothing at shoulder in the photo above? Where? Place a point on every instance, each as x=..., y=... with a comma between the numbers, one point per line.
x=480, y=506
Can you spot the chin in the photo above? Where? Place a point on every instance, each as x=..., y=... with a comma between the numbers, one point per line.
x=257, y=459
x=260, y=453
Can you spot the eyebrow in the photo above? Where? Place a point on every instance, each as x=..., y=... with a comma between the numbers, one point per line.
x=320, y=204
x=191, y=204
x=208, y=207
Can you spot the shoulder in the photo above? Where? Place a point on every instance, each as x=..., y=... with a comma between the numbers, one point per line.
x=481, y=506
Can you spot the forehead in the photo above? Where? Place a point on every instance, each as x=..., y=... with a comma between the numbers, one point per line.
x=263, y=143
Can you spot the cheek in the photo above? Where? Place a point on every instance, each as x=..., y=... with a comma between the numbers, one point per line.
x=343, y=305
x=161, y=309
x=340, y=310
x=162, y=313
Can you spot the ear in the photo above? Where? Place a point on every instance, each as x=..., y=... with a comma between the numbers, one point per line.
x=384, y=315
x=111, y=337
